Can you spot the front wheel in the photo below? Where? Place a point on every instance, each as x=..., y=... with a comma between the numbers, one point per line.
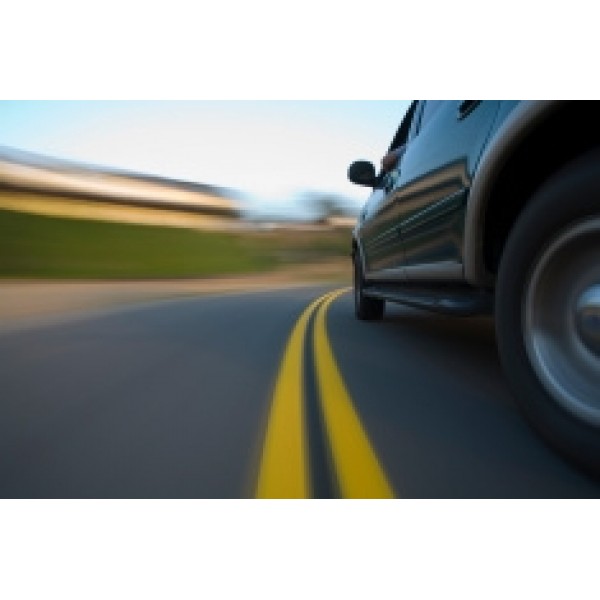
x=365, y=308
x=548, y=311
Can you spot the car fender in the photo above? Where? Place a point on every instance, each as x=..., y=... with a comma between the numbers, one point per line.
x=520, y=122
x=357, y=244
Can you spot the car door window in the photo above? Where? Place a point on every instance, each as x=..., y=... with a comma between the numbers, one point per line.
x=414, y=126
x=408, y=122
x=387, y=181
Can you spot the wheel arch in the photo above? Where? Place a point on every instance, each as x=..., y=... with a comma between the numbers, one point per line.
x=357, y=249
x=537, y=138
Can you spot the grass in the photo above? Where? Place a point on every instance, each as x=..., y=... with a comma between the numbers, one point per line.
x=34, y=246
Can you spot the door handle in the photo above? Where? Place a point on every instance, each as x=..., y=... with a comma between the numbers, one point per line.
x=467, y=106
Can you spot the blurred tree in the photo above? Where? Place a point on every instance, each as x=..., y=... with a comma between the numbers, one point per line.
x=324, y=205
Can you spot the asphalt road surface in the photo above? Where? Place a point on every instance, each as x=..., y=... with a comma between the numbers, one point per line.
x=267, y=394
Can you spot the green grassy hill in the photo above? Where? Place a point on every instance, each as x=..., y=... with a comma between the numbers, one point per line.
x=51, y=247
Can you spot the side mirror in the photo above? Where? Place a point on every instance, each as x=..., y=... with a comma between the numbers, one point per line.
x=362, y=172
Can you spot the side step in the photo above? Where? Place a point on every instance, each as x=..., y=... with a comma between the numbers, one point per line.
x=459, y=300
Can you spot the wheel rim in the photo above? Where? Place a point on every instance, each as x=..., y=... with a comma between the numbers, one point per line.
x=562, y=320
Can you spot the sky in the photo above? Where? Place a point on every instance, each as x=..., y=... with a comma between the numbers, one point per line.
x=271, y=151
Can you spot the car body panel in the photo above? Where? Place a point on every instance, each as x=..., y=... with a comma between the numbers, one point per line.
x=419, y=221
x=429, y=225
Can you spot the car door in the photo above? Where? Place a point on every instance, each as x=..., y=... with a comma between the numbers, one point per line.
x=426, y=206
x=378, y=239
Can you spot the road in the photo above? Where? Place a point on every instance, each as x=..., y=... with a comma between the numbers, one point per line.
x=265, y=394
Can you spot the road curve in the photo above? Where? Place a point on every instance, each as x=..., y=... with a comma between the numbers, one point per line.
x=271, y=394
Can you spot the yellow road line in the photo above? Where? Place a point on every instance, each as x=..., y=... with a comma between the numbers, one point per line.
x=284, y=466
x=359, y=472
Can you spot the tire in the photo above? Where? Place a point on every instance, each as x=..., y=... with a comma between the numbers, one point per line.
x=365, y=308
x=548, y=311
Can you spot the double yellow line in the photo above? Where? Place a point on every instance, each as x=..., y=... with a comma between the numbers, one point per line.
x=284, y=471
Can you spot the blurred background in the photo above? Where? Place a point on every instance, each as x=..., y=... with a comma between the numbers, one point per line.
x=189, y=189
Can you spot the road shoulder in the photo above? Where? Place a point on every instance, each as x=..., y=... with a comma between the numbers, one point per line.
x=27, y=301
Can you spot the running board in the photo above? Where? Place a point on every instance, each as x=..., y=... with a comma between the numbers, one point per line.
x=456, y=300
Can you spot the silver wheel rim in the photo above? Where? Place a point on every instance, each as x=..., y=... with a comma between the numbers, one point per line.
x=561, y=322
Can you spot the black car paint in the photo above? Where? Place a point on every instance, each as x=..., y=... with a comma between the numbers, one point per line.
x=419, y=219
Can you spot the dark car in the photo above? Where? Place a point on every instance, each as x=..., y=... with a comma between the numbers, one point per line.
x=494, y=207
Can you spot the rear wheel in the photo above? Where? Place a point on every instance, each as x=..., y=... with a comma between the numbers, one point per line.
x=365, y=308
x=548, y=311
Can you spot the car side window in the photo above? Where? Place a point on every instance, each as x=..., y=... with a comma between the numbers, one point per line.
x=385, y=180
x=402, y=135
x=414, y=126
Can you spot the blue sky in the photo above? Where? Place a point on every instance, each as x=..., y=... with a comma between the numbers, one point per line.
x=271, y=150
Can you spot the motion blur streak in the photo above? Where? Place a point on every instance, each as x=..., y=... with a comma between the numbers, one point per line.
x=358, y=470
x=284, y=467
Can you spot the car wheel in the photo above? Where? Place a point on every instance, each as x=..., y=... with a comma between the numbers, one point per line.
x=548, y=311
x=365, y=308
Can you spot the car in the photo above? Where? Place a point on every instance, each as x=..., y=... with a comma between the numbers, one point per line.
x=494, y=208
